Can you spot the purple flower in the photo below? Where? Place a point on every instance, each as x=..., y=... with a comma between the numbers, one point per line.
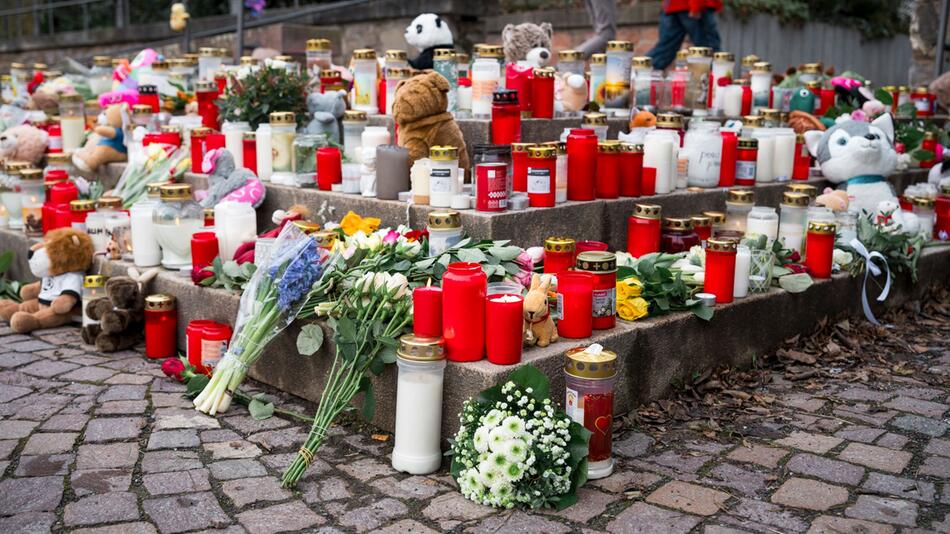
x=256, y=6
x=298, y=277
x=391, y=237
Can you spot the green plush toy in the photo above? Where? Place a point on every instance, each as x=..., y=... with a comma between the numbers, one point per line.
x=802, y=100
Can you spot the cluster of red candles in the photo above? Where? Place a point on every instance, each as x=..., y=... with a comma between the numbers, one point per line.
x=204, y=140
x=60, y=192
x=205, y=343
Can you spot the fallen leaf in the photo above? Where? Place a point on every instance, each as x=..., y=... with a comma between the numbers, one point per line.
x=381, y=437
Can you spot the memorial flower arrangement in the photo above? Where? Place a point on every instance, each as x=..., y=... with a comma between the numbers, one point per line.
x=516, y=448
x=663, y=284
x=270, y=302
x=162, y=163
x=883, y=235
x=630, y=304
x=262, y=91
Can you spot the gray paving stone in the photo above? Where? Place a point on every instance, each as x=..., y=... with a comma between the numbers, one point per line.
x=9, y=393
x=123, y=392
x=104, y=508
x=827, y=524
x=245, y=491
x=177, y=482
x=366, y=469
x=129, y=379
x=75, y=422
x=825, y=469
x=733, y=476
x=285, y=517
x=921, y=425
x=633, y=444
x=245, y=424
x=87, y=482
x=43, y=465
x=936, y=466
x=642, y=518
x=917, y=406
x=517, y=521
x=892, y=441
x=938, y=446
x=895, y=511
x=12, y=429
x=904, y=488
x=864, y=394
x=122, y=407
x=227, y=450
x=232, y=469
x=170, y=460
x=113, y=429
x=88, y=374
x=121, y=528
x=32, y=345
x=107, y=456
x=222, y=434
x=285, y=438
x=864, y=434
x=173, y=439
x=170, y=400
x=760, y=516
x=33, y=494
x=324, y=489
x=414, y=487
x=373, y=514
x=185, y=512
x=7, y=446
x=28, y=523
x=50, y=443
x=594, y=504
x=10, y=360
x=173, y=418
x=47, y=368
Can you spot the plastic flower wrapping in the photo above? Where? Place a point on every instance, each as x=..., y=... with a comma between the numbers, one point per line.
x=270, y=302
x=516, y=448
x=162, y=163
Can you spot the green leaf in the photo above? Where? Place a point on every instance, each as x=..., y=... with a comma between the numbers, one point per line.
x=259, y=409
x=795, y=283
x=886, y=98
x=508, y=253
x=907, y=110
x=369, y=400
x=345, y=330
x=6, y=259
x=472, y=255
x=445, y=260
x=703, y=312
x=248, y=269
x=922, y=155
x=387, y=354
x=310, y=339
x=195, y=385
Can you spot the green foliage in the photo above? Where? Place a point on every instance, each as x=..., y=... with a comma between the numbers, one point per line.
x=259, y=408
x=310, y=339
x=664, y=287
x=875, y=19
x=902, y=251
x=9, y=289
x=265, y=91
x=911, y=134
x=496, y=257
x=229, y=275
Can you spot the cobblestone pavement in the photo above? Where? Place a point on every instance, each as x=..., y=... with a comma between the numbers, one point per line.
x=105, y=443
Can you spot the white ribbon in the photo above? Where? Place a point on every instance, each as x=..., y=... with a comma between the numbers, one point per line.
x=871, y=269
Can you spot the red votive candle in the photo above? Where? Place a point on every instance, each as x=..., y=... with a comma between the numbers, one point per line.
x=720, y=269
x=588, y=245
x=464, y=286
x=199, y=136
x=518, y=78
x=206, y=93
x=161, y=325
x=542, y=93
x=648, y=182
x=827, y=101
x=204, y=249
x=643, y=230
x=249, y=149
x=631, y=169
x=607, y=181
x=214, y=343
x=427, y=311
x=802, y=161
x=542, y=165
x=330, y=170
x=558, y=254
x=505, y=118
x=63, y=218
x=942, y=212
x=193, y=335
x=504, y=318
x=519, y=166
x=727, y=166
x=819, y=248
x=581, y=163
x=575, y=292
x=214, y=140
x=702, y=225
x=603, y=266
x=148, y=94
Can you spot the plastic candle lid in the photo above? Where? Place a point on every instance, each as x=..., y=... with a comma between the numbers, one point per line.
x=596, y=261
x=740, y=196
x=822, y=227
x=593, y=362
x=420, y=349
x=721, y=245
x=94, y=280
x=160, y=302
x=559, y=244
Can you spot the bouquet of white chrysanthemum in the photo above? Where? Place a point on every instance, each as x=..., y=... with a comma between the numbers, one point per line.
x=516, y=448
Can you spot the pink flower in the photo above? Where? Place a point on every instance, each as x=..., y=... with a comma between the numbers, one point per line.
x=173, y=368
x=524, y=261
x=847, y=83
x=391, y=237
x=524, y=278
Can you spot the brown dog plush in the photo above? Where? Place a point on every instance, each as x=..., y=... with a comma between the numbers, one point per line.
x=419, y=109
x=538, y=325
x=120, y=314
x=60, y=262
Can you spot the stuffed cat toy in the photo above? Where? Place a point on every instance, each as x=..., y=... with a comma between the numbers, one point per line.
x=426, y=33
x=858, y=155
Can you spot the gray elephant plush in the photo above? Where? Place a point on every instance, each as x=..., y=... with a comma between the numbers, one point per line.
x=326, y=110
x=224, y=180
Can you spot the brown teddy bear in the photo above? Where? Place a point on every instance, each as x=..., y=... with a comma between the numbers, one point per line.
x=419, y=109
x=60, y=262
x=108, y=143
x=120, y=314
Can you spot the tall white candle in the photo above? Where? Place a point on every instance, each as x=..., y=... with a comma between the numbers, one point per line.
x=264, y=156
x=145, y=249
x=784, y=157
x=72, y=130
x=743, y=263
x=731, y=100
x=658, y=153
x=234, y=140
x=765, y=158
x=763, y=220
x=235, y=223
x=792, y=235
x=416, y=444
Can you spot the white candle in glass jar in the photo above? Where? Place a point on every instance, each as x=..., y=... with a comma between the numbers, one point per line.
x=743, y=263
x=658, y=153
x=234, y=140
x=791, y=235
x=443, y=176
x=417, y=440
x=263, y=149
x=234, y=223
x=784, y=156
x=485, y=75
x=73, y=129
x=764, y=221
x=765, y=158
x=731, y=100
x=373, y=136
x=96, y=228
x=145, y=249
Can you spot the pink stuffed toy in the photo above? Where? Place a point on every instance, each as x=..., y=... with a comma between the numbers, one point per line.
x=225, y=182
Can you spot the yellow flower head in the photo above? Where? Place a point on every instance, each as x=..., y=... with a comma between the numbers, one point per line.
x=353, y=223
x=633, y=309
x=629, y=288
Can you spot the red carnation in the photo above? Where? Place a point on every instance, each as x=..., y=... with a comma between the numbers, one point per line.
x=174, y=368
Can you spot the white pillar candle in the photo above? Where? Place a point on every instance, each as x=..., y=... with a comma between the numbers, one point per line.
x=765, y=158
x=791, y=235
x=658, y=153
x=485, y=76
x=234, y=140
x=351, y=178
x=761, y=85
x=416, y=443
x=784, y=156
x=264, y=157
x=560, y=181
x=764, y=221
x=743, y=263
x=72, y=131
x=234, y=223
x=145, y=249
x=419, y=177
x=373, y=136
x=732, y=100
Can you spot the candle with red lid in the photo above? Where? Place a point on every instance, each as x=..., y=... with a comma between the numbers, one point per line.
x=720, y=269
x=929, y=144
x=607, y=182
x=148, y=94
x=542, y=93
x=819, y=248
x=643, y=230
x=541, y=173
x=214, y=343
x=427, y=311
x=504, y=319
x=55, y=139
x=581, y=163
x=702, y=225
x=923, y=100
x=631, y=169
x=161, y=326
x=329, y=168
x=575, y=294
x=603, y=266
x=747, y=157
x=505, y=117
x=464, y=286
x=558, y=254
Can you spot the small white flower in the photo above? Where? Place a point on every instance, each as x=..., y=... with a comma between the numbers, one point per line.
x=481, y=439
x=514, y=424
x=498, y=436
x=493, y=418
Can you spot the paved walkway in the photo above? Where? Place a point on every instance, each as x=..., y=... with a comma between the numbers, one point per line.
x=829, y=437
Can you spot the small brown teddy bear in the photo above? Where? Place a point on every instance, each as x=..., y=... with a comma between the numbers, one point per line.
x=539, y=327
x=419, y=109
x=108, y=145
x=60, y=262
x=120, y=313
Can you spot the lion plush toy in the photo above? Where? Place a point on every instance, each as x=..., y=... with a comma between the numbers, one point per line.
x=419, y=110
x=108, y=145
x=60, y=262
x=120, y=314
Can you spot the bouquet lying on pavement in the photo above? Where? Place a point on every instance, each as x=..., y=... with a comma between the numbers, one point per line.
x=269, y=303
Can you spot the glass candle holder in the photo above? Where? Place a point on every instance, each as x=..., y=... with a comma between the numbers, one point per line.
x=504, y=318
x=603, y=266
x=283, y=131
x=575, y=306
x=702, y=225
x=93, y=287
x=206, y=94
x=32, y=194
x=678, y=235
x=72, y=121
x=761, y=82
x=175, y=219
x=738, y=205
x=589, y=387
x=763, y=220
x=819, y=248
x=746, y=158
x=305, y=153
x=581, y=164
x=365, y=80
x=699, y=66
x=443, y=62
x=505, y=117
x=235, y=224
x=485, y=77
x=541, y=171
x=443, y=175
x=417, y=439
x=234, y=140
x=720, y=269
x=760, y=270
x=597, y=78
x=445, y=230
x=542, y=93
x=607, y=182
x=631, y=169
x=942, y=214
x=318, y=53
x=791, y=226
x=558, y=254
x=161, y=326
x=464, y=287
x=10, y=194
x=354, y=122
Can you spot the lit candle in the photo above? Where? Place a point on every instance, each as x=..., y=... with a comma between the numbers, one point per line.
x=504, y=319
x=427, y=311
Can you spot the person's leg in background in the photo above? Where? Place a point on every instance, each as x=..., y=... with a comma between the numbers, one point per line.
x=603, y=16
x=671, y=33
x=710, y=30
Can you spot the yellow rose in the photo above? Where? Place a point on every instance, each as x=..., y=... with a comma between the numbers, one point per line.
x=635, y=287
x=641, y=306
x=621, y=291
x=352, y=223
x=625, y=310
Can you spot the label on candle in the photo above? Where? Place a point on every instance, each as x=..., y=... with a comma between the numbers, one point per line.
x=574, y=407
x=282, y=149
x=440, y=180
x=539, y=180
x=558, y=312
x=212, y=350
x=922, y=104
x=745, y=170
x=605, y=302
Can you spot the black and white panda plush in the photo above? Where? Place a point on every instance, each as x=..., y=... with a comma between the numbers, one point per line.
x=426, y=33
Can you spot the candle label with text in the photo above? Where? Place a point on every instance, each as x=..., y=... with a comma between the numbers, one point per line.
x=539, y=180
x=574, y=406
x=745, y=170
x=440, y=180
x=282, y=149
x=605, y=302
x=212, y=350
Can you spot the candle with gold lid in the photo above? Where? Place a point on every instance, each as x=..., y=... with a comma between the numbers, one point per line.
x=176, y=218
x=417, y=439
x=590, y=374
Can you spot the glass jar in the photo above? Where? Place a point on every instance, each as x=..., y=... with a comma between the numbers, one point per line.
x=581, y=163
x=445, y=231
x=806, y=189
x=761, y=82
x=263, y=148
x=118, y=231
x=760, y=270
x=702, y=224
x=643, y=230
x=206, y=94
x=558, y=254
x=699, y=65
x=100, y=75
x=631, y=169
x=161, y=326
x=618, y=61
x=718, y=220
x=485, y=76
x=318, y=56
x=819, y=214
x=723, y=71
x=743, y=268
x=847, y=222
x=575, y=294
x=443, y=175
x=93, y=287
x=590, y=374
x=443, y=62
x=677, y=235
x=72, y=121
x=464, y=287
x=175, y=219
x=235, y=223
x=209, y=61
x=597, y=78
x=924, y=101
x=763, y=220
x=96, y=228
x=720, y=269
x=603, y=266
x=738, y=205
x=283, y=131
x=942, y=211
x=354, y=122
x=364, y=80
x=596, y=122
x=791, y=226
x=32, y=194
x=234, y=140
x=146, y=251
x=570, y=62
x=505, y=117
x=642, y=77
x=394, y=76
x=703, y=145
x=819, y=248
x=924, y=209
x=305, y=156
x=78, y=211
x=418, y=437
x=542, y=161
